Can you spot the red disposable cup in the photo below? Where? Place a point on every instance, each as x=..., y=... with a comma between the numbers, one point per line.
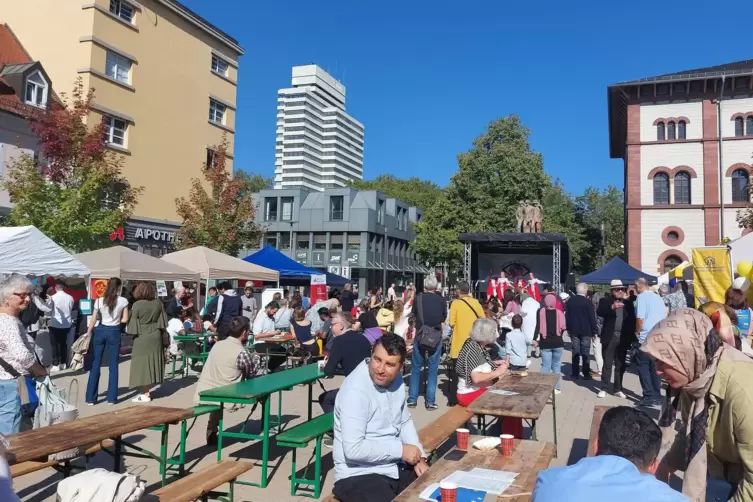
x=462, y=436
x=448, y=492
x=507, y=444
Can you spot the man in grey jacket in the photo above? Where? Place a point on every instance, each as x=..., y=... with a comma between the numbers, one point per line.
x=374, y=432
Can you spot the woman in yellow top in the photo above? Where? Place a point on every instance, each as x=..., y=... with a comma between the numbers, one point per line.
x=710, y=383
x=463, y=313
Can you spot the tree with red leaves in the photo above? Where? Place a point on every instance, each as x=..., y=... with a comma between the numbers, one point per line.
x=75, y=193
x=221, y=218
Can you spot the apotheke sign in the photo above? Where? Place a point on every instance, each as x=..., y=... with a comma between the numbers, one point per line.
x=154, y=234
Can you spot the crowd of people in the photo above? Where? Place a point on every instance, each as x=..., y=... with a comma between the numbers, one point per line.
x=704, y=356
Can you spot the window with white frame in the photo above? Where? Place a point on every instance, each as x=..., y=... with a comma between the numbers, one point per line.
x=219, y=65
x=122, y=9
x=115, y=132
x=217, y=112
x=36, y=90
x=118, y=67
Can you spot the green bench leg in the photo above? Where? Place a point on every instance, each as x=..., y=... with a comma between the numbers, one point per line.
x=220, y=431
x=295, y=481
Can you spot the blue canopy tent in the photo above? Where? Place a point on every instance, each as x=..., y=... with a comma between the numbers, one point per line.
x=291, y=272
x=616, y=269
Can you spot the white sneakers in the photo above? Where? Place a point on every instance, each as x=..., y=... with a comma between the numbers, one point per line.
x=620, y=394
x=142, y=398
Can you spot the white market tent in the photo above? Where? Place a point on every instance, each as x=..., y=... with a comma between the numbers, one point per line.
x=27, y=251
x=741, y=249
x=212, y=264
x=130, y=265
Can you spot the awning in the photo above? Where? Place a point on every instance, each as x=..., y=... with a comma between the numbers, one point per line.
x=212, y=264
x=130, y=265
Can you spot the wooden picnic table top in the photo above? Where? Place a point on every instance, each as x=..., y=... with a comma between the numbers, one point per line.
x=534, y=390
x=528, y=458
x=38, y=443
x=288, y=337
x=264, y=385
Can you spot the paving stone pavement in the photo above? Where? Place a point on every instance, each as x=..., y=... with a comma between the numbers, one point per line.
x=574, y=410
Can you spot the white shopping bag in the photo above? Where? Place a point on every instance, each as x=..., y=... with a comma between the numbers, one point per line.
x=54, y=408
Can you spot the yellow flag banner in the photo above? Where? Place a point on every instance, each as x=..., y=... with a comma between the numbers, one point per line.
x=712, y=274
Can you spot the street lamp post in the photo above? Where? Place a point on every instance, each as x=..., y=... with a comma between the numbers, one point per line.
x=384, y=261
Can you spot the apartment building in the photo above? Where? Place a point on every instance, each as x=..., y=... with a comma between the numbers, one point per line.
x=678, y=196
x=318, y=145
x=357, y=234
x=165, y=81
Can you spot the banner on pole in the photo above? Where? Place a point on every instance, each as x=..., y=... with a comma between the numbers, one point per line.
x=712, y=274
x=318, y=288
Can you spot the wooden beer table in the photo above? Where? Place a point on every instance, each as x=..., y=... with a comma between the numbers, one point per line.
x=528, y=458
x=534, y=390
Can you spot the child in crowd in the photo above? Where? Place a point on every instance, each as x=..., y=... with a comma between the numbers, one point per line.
x=516, y=345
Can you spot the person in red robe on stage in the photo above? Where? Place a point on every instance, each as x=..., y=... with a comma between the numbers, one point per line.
x=491, y=287
x=520, y=285
x=533, y=287
x=503, y=284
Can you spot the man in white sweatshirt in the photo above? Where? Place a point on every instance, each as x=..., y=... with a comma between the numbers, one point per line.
x=376, y=451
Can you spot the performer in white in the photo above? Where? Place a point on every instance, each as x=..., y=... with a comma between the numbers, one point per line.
x=503, y=284
x=533, y=287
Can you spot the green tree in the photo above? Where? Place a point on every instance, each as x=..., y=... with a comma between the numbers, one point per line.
x=559, y=218
x=483, y=195
x=253, y=182
x=415, y=191
x=77, y=195
x=592, y=209
x=221, y=218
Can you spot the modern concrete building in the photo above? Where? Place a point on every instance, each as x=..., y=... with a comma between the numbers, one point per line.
x=318, y=145
x=347, y=232
x=678, y=196
x=165, y=81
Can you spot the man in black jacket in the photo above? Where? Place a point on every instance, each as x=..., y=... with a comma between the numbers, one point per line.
x=617, y=333
x=581, y=326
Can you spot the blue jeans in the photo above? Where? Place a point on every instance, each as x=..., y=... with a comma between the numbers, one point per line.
x=105, y=337
x=417, y=364
x=650, y=381
x=550, y=361
x=10, y=407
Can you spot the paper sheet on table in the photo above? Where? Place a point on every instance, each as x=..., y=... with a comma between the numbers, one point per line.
x=432, y=494
x=484, y=480
x=503, y=392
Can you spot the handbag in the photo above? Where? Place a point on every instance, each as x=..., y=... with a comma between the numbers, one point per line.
x=427, y=337
x=54, y=408
x=27, y=388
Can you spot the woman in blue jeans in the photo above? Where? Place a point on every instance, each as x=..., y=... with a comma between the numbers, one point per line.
x=107, y=314
x=550, y=324
x=17, y=352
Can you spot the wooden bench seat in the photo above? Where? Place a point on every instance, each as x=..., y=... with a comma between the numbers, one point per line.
x=299, y=437
x=202, y=482
x=595, y=424
x=433, y=435
x=30, y=466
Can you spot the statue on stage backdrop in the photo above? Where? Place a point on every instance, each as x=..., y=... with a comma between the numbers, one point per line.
x=529, y=216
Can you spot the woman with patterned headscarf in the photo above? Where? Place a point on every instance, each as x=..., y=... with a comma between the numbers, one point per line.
x=710, y=382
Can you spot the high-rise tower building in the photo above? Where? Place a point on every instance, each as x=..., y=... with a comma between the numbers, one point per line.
x=318, y=144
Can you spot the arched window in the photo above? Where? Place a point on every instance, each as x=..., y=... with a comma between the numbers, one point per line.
x=661, y=189
x=739, y=186
x=739, y=127
x=670, y=262
x=681, y=129
x=682, y=188
x=671, y=130
x=749, y=132
x=660, y=131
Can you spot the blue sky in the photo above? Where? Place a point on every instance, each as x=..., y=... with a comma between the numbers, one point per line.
x=426, y=77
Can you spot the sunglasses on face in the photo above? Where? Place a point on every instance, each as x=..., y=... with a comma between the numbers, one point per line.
x=23, y=295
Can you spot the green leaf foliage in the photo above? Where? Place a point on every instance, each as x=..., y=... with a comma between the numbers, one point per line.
x=416, y=192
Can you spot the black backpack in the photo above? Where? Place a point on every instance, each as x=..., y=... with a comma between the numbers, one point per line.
x=31, y=315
